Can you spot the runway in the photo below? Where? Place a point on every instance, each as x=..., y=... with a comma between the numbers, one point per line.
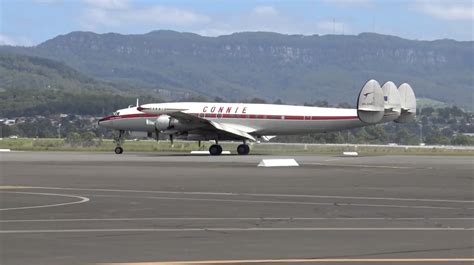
x=137, y=208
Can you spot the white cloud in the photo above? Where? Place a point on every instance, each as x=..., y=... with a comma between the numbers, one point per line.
x=107, y=4
x=269, y=18
x=260, y=18
x=96, y=17
x=101, y=18
x=6, y=40
x=351, y=3
x=265, y=11
x=330, y=27
x=14, y=41
x=447, y=10
x=47, y=1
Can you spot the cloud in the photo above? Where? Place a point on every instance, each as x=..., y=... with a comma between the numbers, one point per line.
x=351, y=3
x=330, y=27
x=265, y=11
x=447, y=10
x=14, y=41
x=47, y=1
x=6, y=40
x=260, y=18
x=269, y=18
x=118, y=14
x=107, y=4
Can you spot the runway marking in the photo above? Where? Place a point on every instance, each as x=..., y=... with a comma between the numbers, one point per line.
x=7, y=187
x=311, y=260
x=238, y=229
x=240, y=218
x=362, y=166
x=260, y=195
x=283, y=202
x=82, y=200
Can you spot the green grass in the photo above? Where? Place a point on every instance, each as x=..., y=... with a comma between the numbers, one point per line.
x=43, y=144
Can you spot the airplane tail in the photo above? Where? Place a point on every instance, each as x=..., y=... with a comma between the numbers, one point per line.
x=407, y=102
x=392, y=104
x=370, y=103
x=387, y=103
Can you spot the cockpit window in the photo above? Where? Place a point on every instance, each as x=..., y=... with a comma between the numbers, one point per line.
x=116, y=113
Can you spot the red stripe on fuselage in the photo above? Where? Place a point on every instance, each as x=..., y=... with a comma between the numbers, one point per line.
x=137, y=115
x=237, y=116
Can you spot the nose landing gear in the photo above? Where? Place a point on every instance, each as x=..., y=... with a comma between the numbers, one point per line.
x=118, y=150
x=118, y=142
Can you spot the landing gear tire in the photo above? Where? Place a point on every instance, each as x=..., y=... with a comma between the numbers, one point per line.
x=118, y=150
x=215, y=150
x=118, y=142
x=243, y=149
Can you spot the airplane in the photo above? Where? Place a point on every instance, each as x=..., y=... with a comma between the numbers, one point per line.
x=246, y=122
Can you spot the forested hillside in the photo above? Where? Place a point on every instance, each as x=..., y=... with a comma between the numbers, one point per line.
x=38, y=86
x=294, y=68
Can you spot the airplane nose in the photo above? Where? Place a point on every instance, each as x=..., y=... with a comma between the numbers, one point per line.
x=101, y=120
x=104, y=121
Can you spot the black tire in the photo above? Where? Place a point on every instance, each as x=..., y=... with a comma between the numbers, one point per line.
x=243, y=149
x=215, y=150
x=118, y=150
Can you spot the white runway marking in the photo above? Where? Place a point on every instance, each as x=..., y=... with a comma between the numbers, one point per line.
x=240, y=219
x=82, y=200
x=362, y=166
x=260, y=195
x=237, y=229
x=282, y=202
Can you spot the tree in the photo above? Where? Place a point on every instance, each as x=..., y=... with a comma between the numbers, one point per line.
x=344, y=105
x=436, y=137
x=218, y=99
x=87, y=138
x=462, y=139
x=257, y=100
x=321, y=103
x=377, y=134
x=73, y=139
x=362, y=136
x=428, y=111
x=404, y=136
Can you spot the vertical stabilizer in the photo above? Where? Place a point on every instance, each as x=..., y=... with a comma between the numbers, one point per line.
x=392, y=104
x=370, y=104
x=407, y=102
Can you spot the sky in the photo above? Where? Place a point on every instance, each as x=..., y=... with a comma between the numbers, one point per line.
x=31, y=22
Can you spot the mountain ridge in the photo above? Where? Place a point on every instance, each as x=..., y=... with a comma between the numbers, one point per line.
x=295, y=68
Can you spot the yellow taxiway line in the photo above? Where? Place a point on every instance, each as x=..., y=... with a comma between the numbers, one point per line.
x=256, y=261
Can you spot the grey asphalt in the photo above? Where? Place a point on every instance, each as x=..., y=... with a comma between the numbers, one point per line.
x=88, y=208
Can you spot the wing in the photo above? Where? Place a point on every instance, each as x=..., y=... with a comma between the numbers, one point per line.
x=213, y=125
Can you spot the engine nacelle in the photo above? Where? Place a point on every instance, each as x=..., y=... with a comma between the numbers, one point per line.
x=165, y=123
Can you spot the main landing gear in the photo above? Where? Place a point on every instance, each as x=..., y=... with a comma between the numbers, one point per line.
x=216, y=149
x=243, y=149
x=118, y=142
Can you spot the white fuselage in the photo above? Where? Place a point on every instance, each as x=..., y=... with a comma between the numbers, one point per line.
x=258, y=119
